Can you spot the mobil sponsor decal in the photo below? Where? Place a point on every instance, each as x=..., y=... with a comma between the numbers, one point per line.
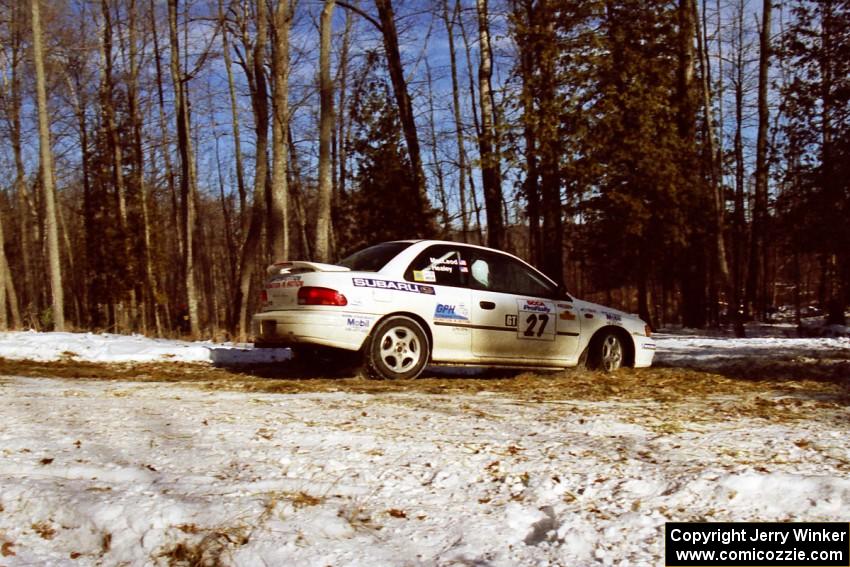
x=357, y=323
x=397, y=286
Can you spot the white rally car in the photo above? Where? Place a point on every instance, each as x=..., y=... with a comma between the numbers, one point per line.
x=406, y=304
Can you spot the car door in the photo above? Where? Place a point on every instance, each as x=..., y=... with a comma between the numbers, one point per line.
x=442, y=267
x=517, y=313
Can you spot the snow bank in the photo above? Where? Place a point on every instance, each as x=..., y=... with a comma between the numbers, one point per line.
x=696, y=350
x=692, y=350
x=90, y=347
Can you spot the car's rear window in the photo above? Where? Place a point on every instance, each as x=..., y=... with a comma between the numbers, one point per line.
x=374, y=258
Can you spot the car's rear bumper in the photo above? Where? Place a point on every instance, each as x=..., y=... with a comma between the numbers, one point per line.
x=311, y=327
x=644, y=350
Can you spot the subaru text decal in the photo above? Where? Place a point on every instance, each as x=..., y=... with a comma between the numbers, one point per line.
x=398, y=286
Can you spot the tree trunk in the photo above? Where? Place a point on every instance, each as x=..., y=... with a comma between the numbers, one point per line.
x=234, y=118
x=475, y=122
x=714, y=167
x=461, y=153
x=438, y=169
x=422, y=225
x=150, y=291
x=279, y=210
x=12, y=297
x=343, y=135
x=490, y=177
x=46, y=159
x=4, y=275
x=326, y=119
x=116, y=152
x=549, y=144
x=757, y=272
x=298, y=199
x=529, y=55
x=187, y=167
x=29, y=294
x=259, y=99
x=739, y=221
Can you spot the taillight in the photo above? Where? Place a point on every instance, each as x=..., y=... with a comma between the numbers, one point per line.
x=264, y=296
x=320, y=296
x=647, y=330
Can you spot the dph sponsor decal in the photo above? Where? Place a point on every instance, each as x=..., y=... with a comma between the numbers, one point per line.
x=447, y=312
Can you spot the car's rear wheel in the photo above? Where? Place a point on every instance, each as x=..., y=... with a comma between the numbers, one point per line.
x=398, y=349
x=606, y=352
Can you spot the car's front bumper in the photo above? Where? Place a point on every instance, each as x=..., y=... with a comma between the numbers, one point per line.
x=644, y=350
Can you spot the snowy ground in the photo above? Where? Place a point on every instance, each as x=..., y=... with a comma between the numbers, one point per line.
x=107, y=472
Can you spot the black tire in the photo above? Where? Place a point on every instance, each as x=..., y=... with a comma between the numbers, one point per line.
x=398, y=349
x=607, y=352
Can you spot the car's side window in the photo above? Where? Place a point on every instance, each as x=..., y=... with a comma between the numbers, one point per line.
x=495, y=272
x=440, y=264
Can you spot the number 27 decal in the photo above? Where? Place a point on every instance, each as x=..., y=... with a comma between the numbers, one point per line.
x=536, y=324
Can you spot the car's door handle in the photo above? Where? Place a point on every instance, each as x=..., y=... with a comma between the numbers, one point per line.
x=487, y=304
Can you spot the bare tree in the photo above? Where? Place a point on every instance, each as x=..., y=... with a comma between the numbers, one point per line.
x=422, y=224
x=490, y=175
x=437, y=166
x=46, y=159
x=279, y=202
x=234, y=118
x=254, y=66
x=714, y=166
x=187, y=170
x=449, y=22
x=323, y=216
x=758, y=262
x=26, y=207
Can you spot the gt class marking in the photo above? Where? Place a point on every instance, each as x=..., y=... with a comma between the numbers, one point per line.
x=398, y=286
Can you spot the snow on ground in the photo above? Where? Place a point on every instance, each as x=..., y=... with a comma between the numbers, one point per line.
x=91, y=347
x=108, y=472
x=680, y=348
x=710, y=351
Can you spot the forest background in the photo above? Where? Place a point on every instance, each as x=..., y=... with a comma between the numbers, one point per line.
x=687, y=160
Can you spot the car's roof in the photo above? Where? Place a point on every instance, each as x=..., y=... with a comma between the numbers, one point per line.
x=453, y=242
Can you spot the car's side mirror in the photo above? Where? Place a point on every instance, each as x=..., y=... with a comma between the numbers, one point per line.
x=562, y=293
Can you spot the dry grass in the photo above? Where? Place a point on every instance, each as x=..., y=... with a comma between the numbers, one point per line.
x=210, y=550
x=44, y=529
x=792, y=386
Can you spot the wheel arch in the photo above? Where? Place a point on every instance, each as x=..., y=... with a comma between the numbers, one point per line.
x=418, y=318
x=623, y=334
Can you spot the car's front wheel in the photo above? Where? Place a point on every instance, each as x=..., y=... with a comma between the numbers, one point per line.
x=398, y=349
x=606, y=352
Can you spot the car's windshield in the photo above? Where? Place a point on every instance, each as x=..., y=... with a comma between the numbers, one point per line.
x=373, y=258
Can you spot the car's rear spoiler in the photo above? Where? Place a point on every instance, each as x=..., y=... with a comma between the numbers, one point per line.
x=299, y=267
